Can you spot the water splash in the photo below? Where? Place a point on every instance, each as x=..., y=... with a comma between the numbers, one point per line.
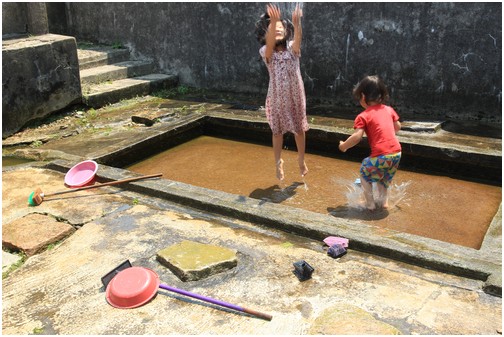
x=287, y=8
x=355, y=197
x=305, y=185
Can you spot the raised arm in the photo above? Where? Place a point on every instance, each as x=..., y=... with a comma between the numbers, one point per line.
x=274, y=14
x=298, y=31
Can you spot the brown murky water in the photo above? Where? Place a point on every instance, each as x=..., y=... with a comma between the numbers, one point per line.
x=436, y=207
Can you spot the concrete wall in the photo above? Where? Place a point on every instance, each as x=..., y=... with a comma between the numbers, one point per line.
x=40, y=71
x=40, y=75
x=438, y=59
x=14, y=20
x=23, y=18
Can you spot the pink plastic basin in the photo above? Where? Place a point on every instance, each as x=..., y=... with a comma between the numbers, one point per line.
x=132, y=287
x=81, y=174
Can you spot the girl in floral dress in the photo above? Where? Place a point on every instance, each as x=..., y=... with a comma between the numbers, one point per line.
x=285, y=101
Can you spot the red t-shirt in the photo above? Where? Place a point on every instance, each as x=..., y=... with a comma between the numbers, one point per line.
x=378, y=124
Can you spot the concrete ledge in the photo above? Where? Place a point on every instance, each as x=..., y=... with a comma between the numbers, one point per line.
x=40, y=76
x=424, y=252
x=430, y=127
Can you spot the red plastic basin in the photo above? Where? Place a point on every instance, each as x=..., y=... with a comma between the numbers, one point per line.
x=132, y=287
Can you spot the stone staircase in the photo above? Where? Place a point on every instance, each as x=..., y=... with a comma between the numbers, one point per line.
x=108, y=75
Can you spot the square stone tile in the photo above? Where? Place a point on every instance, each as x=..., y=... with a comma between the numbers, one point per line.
x=33, y=233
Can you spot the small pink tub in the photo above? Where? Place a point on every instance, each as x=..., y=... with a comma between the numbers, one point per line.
x=81, y=174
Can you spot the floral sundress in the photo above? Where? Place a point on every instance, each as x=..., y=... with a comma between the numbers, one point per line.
x=285, y=101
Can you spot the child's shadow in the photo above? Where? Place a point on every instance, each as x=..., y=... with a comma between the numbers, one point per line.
x=274, y=193
x=347, y=212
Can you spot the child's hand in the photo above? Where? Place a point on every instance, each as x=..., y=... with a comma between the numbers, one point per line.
x=342, y=149
x=273, y=12
x=296, y=16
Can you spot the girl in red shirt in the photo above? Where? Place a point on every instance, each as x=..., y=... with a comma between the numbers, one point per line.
x=380, y=123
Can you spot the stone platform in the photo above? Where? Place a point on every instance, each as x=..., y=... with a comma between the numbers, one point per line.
x=389, y=283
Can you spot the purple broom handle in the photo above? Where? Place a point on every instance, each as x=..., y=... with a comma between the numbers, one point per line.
x=217, y=302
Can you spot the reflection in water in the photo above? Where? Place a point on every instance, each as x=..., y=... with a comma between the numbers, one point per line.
x=275, y=193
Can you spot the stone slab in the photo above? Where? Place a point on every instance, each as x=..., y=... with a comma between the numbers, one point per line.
x=192, y=261
x=33, y=233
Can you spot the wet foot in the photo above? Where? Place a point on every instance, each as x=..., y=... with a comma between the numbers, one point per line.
x=279, y=170
x=371, y=207
x=303, y=169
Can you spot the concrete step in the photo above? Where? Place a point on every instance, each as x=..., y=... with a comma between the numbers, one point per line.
x=99, y=95
x=115, y=71
x=100, y=56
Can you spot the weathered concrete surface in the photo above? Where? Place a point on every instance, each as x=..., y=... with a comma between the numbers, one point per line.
x=440, y=60
x=109, y=136
x=96, y=56
x=14, y=20
x=102, y=94
x=115, y=71
x=59, y=291
x=9, y=260
x=40, y=75
x=193, y=261
x=349, y=320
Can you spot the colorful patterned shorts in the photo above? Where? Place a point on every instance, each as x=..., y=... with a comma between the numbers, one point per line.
x=380, y=169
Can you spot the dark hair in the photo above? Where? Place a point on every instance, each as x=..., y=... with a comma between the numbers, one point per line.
x=373, y=89
x=261, y=27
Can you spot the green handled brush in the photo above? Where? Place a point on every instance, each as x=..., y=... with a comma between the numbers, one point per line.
x=37, y=196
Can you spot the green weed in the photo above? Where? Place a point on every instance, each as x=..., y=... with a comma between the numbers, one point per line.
x=15, y=265
x=36, y=144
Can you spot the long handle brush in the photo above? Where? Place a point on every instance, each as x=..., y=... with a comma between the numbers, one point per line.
x=37, y=197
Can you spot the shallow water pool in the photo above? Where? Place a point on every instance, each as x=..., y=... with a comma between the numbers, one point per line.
x=437, y=207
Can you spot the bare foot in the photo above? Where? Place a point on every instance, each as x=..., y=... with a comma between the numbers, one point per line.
x=279, y=170
x=303, y=169
x=371, y=206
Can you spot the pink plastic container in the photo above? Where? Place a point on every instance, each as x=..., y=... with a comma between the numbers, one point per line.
x=81, y=174
x=132, y=287
x=331, y=240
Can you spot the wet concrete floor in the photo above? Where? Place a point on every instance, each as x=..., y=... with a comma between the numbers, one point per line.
x=436, y=207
